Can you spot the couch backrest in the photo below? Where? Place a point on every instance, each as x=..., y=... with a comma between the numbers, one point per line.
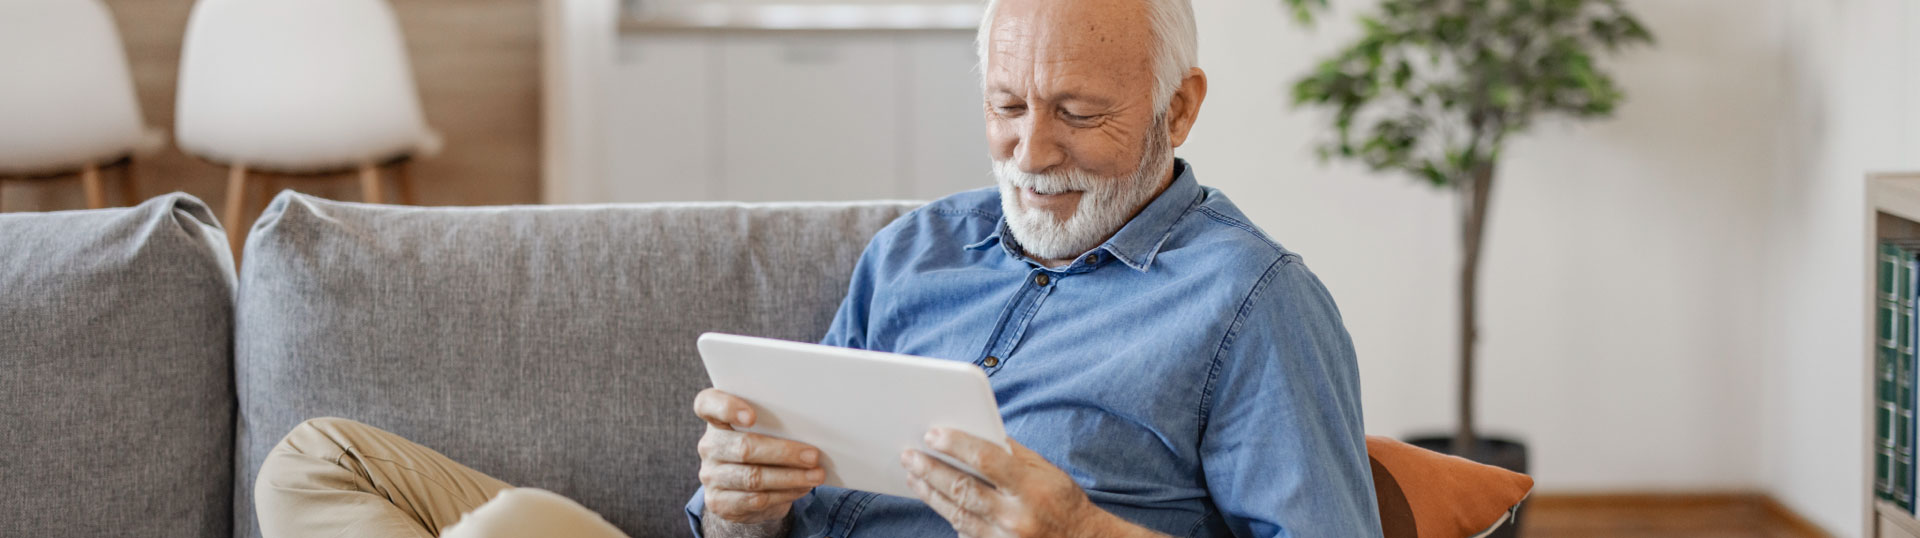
x=550, y=347
x=116, y=393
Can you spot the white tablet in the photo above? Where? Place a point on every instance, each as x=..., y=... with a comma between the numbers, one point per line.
x=860, y=408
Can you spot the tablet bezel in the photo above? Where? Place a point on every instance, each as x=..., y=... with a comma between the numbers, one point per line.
x=860, y=408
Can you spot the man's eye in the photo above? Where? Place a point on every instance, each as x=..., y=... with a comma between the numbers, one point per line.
x=1010, y=110
x=1069, y=116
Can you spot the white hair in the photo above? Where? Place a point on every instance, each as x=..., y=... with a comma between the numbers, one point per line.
x=1176, y=47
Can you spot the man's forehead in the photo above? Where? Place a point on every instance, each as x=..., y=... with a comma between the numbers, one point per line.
x=1102, y=38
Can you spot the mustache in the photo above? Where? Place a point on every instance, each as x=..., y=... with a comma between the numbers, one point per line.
x=1053, y=182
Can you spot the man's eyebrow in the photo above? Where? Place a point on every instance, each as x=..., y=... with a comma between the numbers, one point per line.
x=1070, y=96
x=1063, y=97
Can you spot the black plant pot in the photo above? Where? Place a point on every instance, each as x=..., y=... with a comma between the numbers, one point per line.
x=1503, y=453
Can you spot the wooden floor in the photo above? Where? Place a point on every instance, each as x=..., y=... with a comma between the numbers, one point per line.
x=1661, y=516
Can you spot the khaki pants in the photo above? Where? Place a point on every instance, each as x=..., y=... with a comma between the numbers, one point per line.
x=333, y=477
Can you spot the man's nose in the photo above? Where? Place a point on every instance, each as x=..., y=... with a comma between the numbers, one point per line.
x=1040, y=145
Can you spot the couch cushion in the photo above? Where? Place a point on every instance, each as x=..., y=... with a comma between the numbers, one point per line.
x=1426, y=494
x=116, y=395
x=551, y=347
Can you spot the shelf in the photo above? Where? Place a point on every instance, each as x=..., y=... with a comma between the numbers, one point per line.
x=700, y=16
x=1896, y=194
x=1900, y=519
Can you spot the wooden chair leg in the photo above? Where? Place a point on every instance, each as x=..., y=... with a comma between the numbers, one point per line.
x=236, y=199
x=128, y=189
x=273, y=186
x=90, y=182
x=370, y=183
x=404, y=181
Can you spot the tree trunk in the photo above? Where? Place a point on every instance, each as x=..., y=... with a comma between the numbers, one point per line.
x=1478, y=190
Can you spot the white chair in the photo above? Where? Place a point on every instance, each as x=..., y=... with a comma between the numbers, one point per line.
x=298, y=87
x=67, y=104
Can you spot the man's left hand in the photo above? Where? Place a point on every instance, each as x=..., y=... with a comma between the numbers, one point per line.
x=1032, y=498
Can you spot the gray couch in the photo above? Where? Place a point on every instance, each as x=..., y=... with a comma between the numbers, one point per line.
x=142, y=381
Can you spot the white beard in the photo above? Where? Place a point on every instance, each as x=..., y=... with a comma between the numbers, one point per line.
x=1106, y=204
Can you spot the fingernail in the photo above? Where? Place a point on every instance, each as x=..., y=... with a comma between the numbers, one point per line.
x=934, y=438
x=817, y=475
x=810, y=457
x=742, y=417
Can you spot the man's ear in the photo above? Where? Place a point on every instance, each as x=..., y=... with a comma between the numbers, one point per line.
x=1185, y=107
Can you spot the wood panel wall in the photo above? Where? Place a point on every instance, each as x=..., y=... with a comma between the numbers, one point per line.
x=476, y=63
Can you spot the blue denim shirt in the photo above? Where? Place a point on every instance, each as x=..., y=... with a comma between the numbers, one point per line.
x=1190, y=374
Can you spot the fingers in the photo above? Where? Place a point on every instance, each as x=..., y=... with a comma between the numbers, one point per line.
x=732, y=504
x=726, y=446
x=733, y=476
x=750, y=477
x=990, y=460
x=964, y=522
x=957, y=487
x=722, y=410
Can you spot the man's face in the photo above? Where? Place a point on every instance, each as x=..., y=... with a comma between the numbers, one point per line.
x=1078, y=143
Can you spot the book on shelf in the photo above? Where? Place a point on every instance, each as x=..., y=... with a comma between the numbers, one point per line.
x=1896, y=373
x=1904, y=372
x=1883, y=373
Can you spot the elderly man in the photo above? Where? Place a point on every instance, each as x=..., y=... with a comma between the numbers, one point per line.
x=1162, y=366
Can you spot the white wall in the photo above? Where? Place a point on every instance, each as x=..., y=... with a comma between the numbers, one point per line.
x=1619, y=321
x=576, y=54
x=1850, y=71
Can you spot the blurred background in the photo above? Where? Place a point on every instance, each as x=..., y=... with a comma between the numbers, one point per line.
x=1671, y=297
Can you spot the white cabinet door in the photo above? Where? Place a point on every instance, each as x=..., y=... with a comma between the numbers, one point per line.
x=948, y=141
x=660, y=144
x=810, y=117
x=780, y=116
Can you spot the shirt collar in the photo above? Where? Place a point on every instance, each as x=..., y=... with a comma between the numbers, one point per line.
x=1139, y=241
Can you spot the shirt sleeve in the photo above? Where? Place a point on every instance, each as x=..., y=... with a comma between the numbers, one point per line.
x=849, y=327
x=1284, y=447
x=695, y=507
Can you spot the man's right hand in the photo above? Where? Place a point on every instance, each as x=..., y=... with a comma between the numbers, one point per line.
x=751, y=479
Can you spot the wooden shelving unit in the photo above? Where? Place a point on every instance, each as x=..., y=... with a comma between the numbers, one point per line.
x=1893, y=201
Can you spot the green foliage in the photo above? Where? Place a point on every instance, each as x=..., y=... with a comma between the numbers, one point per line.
x=1434, y=88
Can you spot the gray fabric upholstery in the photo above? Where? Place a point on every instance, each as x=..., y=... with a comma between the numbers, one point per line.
x=550, y=347
x=116, y=395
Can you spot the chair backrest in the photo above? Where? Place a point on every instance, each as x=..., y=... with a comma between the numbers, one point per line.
x=67, y=99
x=297, y=85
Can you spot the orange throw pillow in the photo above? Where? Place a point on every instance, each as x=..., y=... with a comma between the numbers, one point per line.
x=1426, y=494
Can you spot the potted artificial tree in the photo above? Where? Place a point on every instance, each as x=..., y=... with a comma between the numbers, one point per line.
x=1436, y=88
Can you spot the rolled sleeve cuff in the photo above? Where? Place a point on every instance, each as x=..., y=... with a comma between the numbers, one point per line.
x=695, y=507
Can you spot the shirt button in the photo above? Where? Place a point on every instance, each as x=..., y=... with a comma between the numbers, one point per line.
x=991, y=361
x=1041, y=280
x=1093, y=259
